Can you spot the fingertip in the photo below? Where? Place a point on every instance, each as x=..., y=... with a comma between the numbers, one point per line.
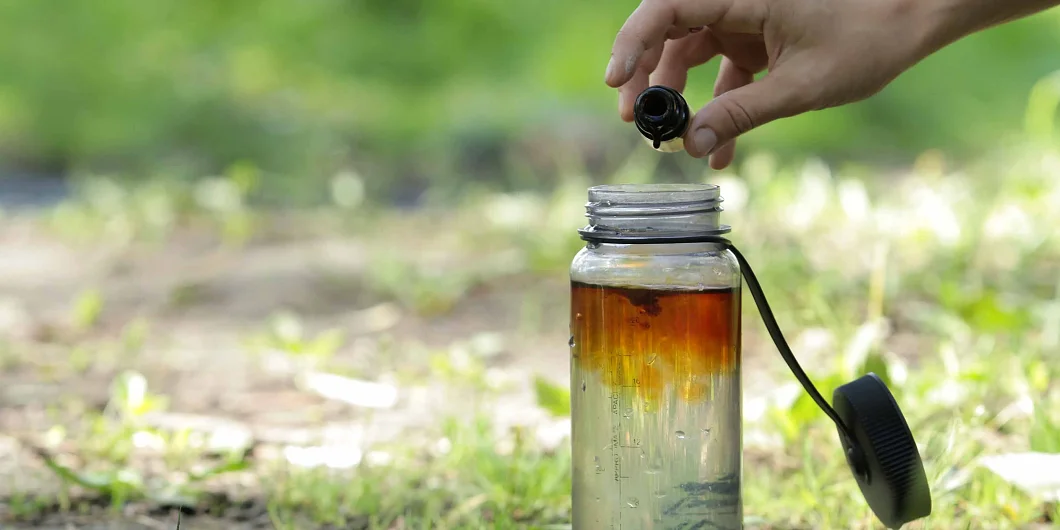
x=610, y=76
x=625, y=106
x=690, y=148
x=703, y=141
x=615, y=81
x=619, y=71
x=723, y=156
x=628, y=93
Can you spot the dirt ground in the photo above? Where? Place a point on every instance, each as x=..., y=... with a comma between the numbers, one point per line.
x=202, y=303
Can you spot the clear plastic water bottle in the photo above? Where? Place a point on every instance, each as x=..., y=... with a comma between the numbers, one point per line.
x=655, y=365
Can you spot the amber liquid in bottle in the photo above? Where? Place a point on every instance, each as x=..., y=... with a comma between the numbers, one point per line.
x=656, y=391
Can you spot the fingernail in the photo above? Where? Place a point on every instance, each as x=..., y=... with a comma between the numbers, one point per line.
x=610, y=73
x=696, y=29
x=704, y=140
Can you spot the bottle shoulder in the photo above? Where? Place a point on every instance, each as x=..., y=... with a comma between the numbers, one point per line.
x=702, y=267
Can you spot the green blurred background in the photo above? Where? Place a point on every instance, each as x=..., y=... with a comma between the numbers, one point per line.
x=415, y=93
x=230, y=199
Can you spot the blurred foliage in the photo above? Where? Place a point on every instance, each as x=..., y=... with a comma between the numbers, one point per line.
x=414, y=93
x=109, y=440
x=939, y=277
x=552, y=398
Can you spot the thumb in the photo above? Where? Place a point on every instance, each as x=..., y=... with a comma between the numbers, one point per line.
x=739, y=110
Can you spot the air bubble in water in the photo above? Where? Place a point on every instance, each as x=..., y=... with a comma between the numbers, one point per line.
x=599, y=468
x=706, y=432
x=652, y=360
x=571, y=342
x=681, y=434
x=583, y=386
x=628, y=413
x=660, y=493
x=633, y=502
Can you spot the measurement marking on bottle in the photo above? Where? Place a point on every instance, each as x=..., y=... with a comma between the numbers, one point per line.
x=616, y=429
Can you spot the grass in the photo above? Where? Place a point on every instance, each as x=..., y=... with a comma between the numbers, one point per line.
x=940, y=279
x=437, y=487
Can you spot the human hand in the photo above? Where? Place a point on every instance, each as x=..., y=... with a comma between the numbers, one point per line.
x=818, y=53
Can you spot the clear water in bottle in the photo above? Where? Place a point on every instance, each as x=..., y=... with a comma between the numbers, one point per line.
x=655, y=397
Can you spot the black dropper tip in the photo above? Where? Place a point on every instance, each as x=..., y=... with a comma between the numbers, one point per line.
x=661, y=114
x=883, y=455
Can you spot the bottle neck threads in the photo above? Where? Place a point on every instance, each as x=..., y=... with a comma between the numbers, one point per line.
x=630, y=212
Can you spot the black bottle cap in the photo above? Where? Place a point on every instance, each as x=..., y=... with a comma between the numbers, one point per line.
x=876, y=440
x=661, y=114
x=883, y=456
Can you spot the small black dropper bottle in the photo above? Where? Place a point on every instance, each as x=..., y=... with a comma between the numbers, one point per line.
x=661, y=115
